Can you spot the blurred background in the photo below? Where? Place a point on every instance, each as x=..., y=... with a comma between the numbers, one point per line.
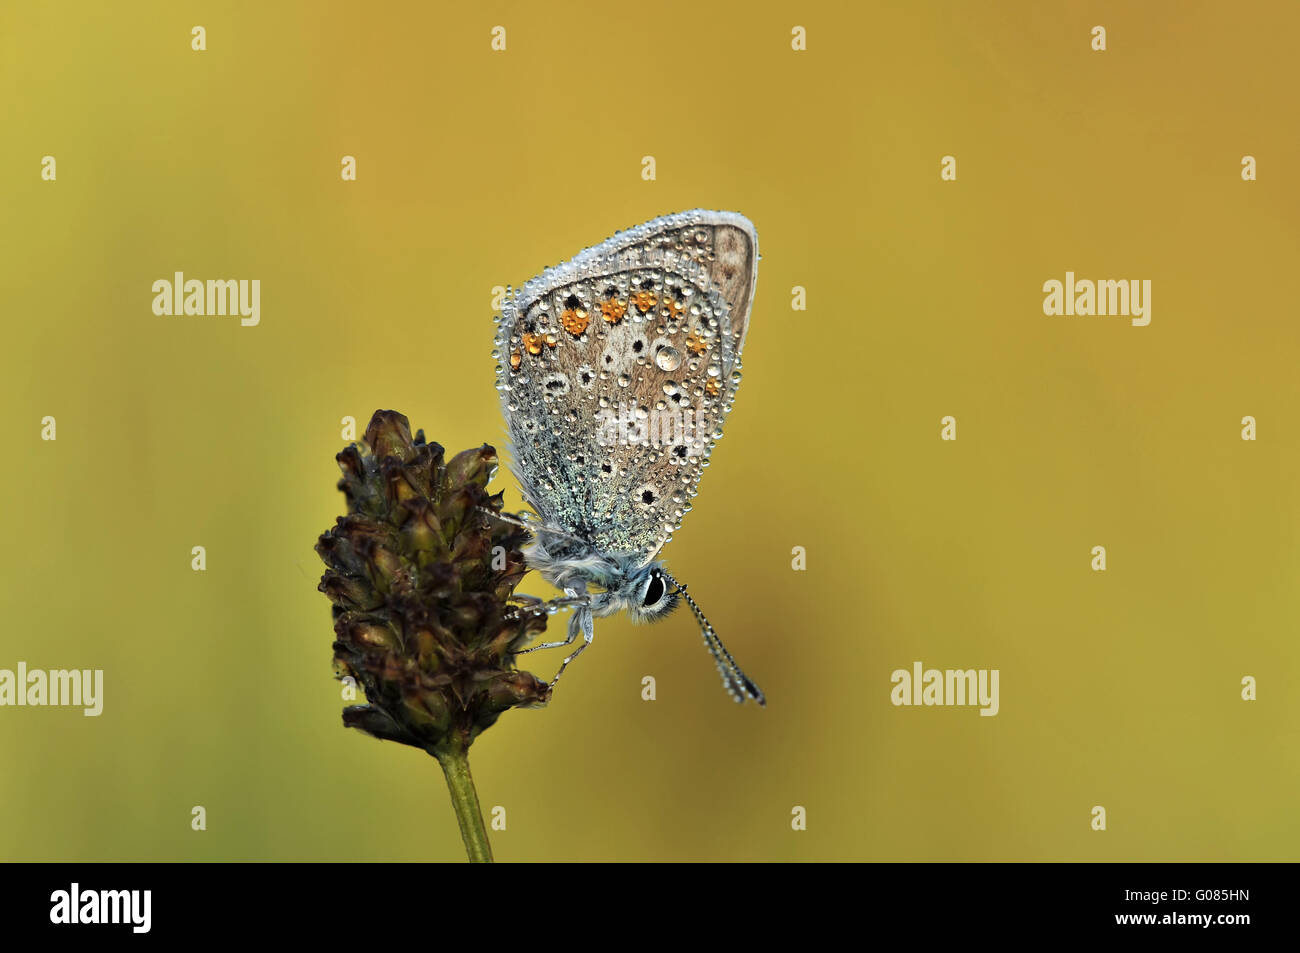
x=478, y=168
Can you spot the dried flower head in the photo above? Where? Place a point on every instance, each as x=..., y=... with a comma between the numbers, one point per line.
x=420, y=577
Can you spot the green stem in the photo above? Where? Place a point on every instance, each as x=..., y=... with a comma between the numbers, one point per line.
x=455, y=765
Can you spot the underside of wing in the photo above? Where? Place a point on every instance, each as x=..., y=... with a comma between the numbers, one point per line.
x=617, y=370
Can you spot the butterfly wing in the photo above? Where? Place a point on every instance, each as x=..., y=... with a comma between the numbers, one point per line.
x=617, y=370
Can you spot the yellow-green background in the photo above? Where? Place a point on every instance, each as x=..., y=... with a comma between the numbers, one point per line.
x=478, y=169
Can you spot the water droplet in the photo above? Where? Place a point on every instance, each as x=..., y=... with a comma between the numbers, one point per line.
x=668, y=359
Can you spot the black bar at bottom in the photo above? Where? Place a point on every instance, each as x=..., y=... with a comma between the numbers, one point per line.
x=507, y=904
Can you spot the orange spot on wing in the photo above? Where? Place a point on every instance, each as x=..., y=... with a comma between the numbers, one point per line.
x=613, y=310
x=575, y=321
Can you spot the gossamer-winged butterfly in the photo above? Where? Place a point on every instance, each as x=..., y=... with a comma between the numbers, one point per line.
x=616, y=372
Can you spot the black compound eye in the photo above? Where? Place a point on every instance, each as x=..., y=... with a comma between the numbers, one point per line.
x=655, y=591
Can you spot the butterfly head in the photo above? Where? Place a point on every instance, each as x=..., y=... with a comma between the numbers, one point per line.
x=648, y=594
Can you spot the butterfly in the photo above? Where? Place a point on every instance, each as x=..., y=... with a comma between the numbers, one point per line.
x=616, y=371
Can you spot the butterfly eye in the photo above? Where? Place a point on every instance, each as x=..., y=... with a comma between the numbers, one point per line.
x=655, y=591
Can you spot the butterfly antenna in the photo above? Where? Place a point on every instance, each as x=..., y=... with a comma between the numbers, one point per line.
x=734, y=680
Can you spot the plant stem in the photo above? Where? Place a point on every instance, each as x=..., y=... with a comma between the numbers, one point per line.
x=455, y=765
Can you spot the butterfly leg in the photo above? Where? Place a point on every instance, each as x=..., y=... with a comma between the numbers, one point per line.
x=571, y=598
x=531, y=523
x=536, y=604
x=582, y=619
x=504, y=517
